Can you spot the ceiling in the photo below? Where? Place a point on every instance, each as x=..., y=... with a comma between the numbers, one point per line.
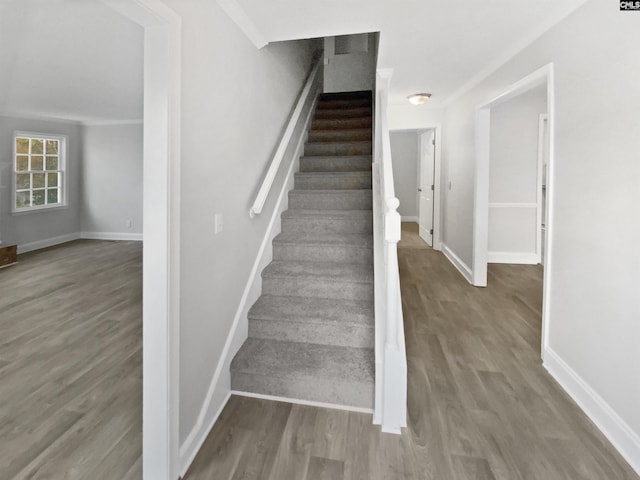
x=434, y=46
x=80, y=60
x=75, y=60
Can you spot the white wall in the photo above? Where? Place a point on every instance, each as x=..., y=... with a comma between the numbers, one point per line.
x=513, y=178
x=404, y=155
x=350, y=72
x=407, y=116
x=112, y=180
x=236, y=100
x=594, y=306
x=43, y=228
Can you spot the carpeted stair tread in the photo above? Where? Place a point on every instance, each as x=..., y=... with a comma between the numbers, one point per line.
x=331, y=199
x=325, y=373
x=341, y=123
x=360, y=147
x=313, y=310
x=355, y=134
x=333, y=180
x=339, y=214
x=363, y=111
x=336, y=163
x=311, y=334
x=336, y=272
x=362, y=240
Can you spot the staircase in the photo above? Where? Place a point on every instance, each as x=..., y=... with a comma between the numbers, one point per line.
x=311, y=333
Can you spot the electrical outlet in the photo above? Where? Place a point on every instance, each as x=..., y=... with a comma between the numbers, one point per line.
x=128, y=223
x=217, y=223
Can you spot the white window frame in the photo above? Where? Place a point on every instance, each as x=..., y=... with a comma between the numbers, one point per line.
x=62, y=170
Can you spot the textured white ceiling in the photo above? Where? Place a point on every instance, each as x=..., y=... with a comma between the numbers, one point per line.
x=70, y=59
x=433, y=45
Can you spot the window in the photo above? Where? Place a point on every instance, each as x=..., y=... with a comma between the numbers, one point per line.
x=38, y=172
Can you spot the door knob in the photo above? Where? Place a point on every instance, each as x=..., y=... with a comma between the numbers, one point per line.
x=419, y=189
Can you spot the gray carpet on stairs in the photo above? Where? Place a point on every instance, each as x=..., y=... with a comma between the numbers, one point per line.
x=311, y=333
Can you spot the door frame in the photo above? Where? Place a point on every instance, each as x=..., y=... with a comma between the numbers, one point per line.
x=437, y=180
x=419, y=174
x=161, y=227
x=542, y=76
x=542, y=118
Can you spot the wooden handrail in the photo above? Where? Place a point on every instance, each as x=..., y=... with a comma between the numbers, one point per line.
x=274, y=166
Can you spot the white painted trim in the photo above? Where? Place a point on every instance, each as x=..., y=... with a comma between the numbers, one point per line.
x=512, y=205
x=481, y=198
x=513, y=49
x=110, y=123
x=409, y=218
x=244, y=23
x=161, y=223
x=482, y=166
x=458, y=263
x=239, y=328
x=194, y=451
x=542, y=118
x=520, y=258
x=297, y=401
x=125, y=236
x=617, y=431
x=47, y=242
x=28, y=116
x=437, y=190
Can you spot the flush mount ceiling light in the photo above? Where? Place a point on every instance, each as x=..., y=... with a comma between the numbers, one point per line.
x=419, y=98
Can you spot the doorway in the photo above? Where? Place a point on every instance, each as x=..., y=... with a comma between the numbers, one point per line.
x=161, y=229
x=416, y=161
x=481, y=212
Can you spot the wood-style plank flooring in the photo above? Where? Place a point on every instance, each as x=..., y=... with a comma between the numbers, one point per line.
x=481, y=406
x=71, y=363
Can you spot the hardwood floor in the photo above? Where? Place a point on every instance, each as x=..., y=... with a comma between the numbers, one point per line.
x=481, y=406
x=71, y=363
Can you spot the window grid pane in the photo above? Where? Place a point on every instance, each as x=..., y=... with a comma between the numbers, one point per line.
x=38, y=177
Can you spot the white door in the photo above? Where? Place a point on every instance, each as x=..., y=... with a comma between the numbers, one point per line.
x=426, y=186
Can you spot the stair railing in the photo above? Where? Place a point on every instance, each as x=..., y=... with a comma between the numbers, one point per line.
x=311, y=89
x=391, y=362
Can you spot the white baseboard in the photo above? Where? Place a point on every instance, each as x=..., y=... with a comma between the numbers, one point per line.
x=512, y=257
x=220, y=385
x=459, y=264
x=111, y=236
x=619, y=433
x=297, y=401
x=47, y=242
x=407, y=218
x=186, y=462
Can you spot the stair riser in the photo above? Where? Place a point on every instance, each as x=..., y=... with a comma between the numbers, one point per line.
x=334, y=182
x=327, y=225
x=355, y=135
x=322, y=334
x=308, y=200
x=326, y=149
x=330, y=391
x=333, y=104
x=315, y=253
x=332, y=124
x=335, y=164
x=335, y=113
x=317, y=287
